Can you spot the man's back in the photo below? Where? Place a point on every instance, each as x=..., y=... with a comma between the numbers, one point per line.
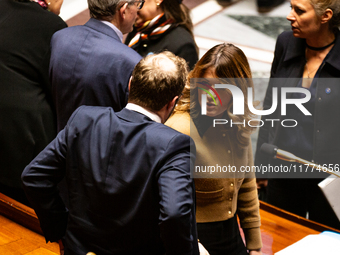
x=89, y=66
x=27, y=117
x=129, y=184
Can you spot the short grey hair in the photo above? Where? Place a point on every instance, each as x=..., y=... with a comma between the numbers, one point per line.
x=320, y=6
x=105, y=9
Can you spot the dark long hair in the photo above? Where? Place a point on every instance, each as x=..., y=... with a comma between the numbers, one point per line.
x=177, y=11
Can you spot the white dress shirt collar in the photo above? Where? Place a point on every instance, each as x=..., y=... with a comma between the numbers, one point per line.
x=118, y=32
x=137, y=108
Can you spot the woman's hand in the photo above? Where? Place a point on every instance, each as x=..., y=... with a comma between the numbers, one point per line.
x=255, y=252
x=261, y=183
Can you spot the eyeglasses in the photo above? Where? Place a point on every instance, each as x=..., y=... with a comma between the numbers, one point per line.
x=140, y=4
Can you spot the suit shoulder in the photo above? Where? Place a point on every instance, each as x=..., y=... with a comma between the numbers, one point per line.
x=53, y=21
x=32, y=14
x=85, y=116
x=104, y=46
x=181, y=36
x=282, y=44
x=132, y=54
x=181, y=31
x=285, y=37
x=70, y=30
x=125, y=56
x=161, y=131
x=167, y=141
x=62, y=34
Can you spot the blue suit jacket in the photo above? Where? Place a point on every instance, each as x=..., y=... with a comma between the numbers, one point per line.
x=129, y=184
x=89, y=66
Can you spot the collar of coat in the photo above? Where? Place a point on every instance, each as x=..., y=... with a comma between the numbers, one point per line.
x=102, y=28
x=297, y=46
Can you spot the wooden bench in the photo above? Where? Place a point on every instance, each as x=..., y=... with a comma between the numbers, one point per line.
x=20, y=232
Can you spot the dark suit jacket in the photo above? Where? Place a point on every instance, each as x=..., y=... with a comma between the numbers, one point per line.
x=89, y=66
x=289, y=61
x=129, y=185
x=27, y=116
x=178, y=41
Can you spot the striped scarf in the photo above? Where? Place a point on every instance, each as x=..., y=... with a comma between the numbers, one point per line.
x=151, y=30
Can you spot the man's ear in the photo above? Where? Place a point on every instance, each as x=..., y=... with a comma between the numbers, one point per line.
x=167, y=110
x=130, y=82
x=172, y=103
x=328, y=14
x=122, y=10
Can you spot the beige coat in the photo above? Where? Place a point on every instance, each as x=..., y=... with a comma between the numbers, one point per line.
x=219, y=199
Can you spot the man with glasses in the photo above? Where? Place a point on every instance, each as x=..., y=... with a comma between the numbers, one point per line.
x=89, y=64
x=128, y=174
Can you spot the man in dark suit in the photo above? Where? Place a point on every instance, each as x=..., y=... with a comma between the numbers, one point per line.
x=27, y=114
x=128, y=175
x=89, y=64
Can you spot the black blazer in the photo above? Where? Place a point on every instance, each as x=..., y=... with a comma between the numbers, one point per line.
x=27, y=115
x=129, y=184
x=178, y=41
x=289, y=61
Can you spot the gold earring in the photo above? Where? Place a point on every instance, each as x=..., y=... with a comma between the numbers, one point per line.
x=48, y=3
x=157, y=4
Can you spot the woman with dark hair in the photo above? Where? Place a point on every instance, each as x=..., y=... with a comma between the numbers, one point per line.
x=309, y=53
x=221, y=197
x=164, y=25
x=27, y=114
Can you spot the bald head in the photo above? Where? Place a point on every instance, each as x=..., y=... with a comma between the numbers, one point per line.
x=161, y=63
x=157, y=79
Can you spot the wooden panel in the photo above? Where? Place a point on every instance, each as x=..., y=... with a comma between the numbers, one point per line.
x=16, y=239
x=6, y=236
x=280, y=228
x=41, y=251
x=16, y=236
x=20, y=246
x=19, y=213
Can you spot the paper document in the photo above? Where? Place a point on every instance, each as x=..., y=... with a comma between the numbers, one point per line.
x=331, y=189
x=314, y=245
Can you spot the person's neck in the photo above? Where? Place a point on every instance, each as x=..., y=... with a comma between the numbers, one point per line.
x=322, y=39
x=116, y=24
